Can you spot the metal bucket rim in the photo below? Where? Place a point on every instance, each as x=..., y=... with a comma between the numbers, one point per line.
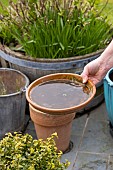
x=22, y=90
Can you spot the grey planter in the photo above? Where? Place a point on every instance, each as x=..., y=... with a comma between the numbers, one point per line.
x=35, y=68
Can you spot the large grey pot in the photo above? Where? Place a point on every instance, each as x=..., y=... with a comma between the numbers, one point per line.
x=35, y=68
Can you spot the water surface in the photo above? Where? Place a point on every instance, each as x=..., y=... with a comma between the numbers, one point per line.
x=59, y=94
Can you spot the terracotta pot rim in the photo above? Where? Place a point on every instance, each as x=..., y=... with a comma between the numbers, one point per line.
x=48, y=120
x=59, y=111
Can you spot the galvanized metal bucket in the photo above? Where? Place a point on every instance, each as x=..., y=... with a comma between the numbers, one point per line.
x=13, y=86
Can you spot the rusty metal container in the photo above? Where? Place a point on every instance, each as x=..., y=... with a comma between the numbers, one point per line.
x=13, y=86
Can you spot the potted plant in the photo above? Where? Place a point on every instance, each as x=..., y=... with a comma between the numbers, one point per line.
x=22, y=152
x=44, y=37
x=108, y=93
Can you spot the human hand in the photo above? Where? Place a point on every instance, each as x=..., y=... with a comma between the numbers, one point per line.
x=97, y=69
x=93, y=71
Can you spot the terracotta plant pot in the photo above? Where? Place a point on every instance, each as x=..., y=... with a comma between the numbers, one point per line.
x=46, y=124
x=49, y=120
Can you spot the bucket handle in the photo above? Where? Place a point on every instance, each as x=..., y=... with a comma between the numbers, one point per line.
x=23, y=90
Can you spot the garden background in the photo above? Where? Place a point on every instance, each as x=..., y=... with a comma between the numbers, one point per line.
x=108, y=11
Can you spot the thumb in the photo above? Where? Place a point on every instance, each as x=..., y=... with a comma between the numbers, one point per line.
x=84, y=75
x=85, y=79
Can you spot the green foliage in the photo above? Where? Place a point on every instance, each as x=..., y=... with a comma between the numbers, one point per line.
x=54, y=28
x=21, y=152
x=108, y=10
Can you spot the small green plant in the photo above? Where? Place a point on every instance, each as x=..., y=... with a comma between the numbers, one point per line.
x=54, y=28
x=3, y=90
x=21, y=152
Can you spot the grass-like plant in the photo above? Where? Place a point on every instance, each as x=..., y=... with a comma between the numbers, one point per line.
x=54, y=28
x=21, y=152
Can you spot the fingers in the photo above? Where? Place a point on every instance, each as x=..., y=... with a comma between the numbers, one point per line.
x=84, y=74
x=84, y=77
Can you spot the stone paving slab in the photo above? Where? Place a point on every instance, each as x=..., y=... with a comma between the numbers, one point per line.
x=71, y=156
x=97, y=138
x=78, y=125
x=89, y=161
x=100, y=113
x=110, y=163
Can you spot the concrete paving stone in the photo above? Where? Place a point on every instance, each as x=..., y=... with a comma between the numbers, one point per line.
x=31, y=125
x=100, y=113
x=88, y=161
x=27, y=118
x=26, y=122
x=71, y=156
x=97, y=138
x=78, y=125
x=110, y=163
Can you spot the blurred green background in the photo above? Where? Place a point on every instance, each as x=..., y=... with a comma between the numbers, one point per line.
x=108, y=11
